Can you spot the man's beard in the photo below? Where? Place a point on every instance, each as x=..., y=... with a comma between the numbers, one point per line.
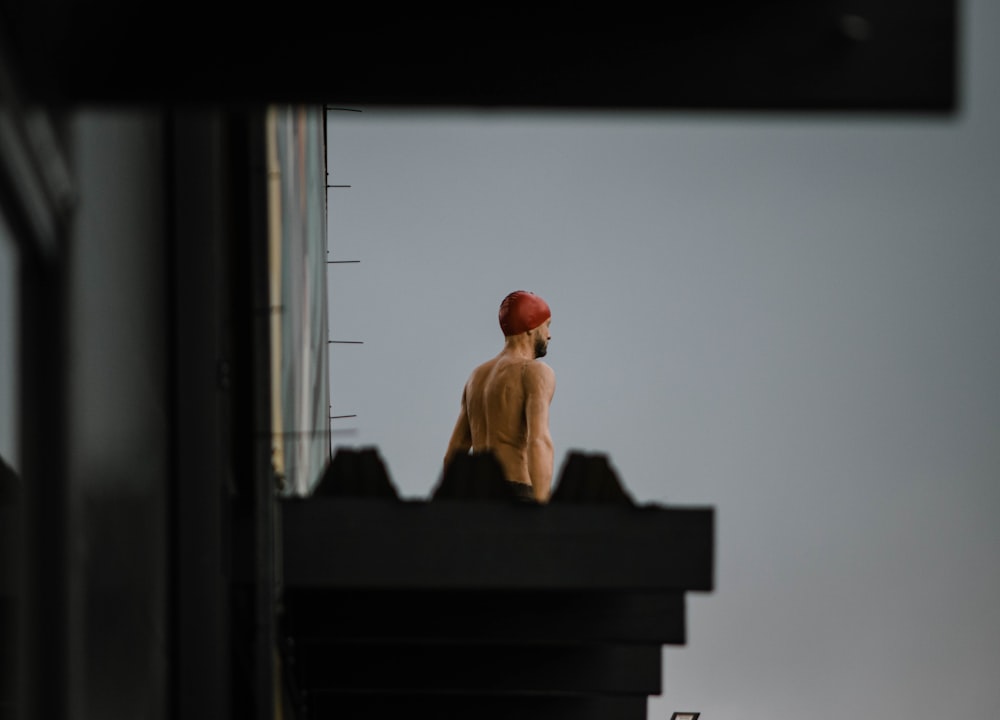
x=541, y=347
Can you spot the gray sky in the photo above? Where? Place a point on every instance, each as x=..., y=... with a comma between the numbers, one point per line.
x=793, y=321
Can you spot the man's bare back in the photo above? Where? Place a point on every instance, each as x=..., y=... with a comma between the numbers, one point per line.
x=505, y=402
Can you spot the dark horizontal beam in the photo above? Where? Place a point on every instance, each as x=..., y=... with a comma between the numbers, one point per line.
x=881, y=55
x=446, y=668
x=373, y=543
x=354, y=706
x=483, y=617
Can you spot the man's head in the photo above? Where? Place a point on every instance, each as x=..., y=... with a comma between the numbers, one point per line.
x=523, y=311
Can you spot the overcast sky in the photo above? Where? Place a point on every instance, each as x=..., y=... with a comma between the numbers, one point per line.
x=792, y=321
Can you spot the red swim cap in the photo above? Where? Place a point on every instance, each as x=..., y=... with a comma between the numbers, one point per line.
x=522, y=311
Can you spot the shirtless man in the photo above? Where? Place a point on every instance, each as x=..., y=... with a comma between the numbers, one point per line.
x=505, y=402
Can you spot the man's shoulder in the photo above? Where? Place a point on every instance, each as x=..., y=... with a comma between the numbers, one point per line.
x=537, y=371
x=484, y=367
x=481, y=370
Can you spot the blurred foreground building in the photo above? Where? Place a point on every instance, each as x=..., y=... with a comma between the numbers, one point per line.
x=177, y=541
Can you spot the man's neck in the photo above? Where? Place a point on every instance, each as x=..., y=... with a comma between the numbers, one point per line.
x=522, y=346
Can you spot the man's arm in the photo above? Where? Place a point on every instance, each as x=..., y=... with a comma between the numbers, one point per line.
x=461, y=436
x=539, y=387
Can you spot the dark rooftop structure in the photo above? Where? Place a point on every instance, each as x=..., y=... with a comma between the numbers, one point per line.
x=476, y=603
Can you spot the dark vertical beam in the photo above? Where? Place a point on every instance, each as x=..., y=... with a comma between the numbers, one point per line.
x=264, y=481
x=119, y=455
x=199, y=378
x=254, y=500
x=36, y=196
x=45, y=588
